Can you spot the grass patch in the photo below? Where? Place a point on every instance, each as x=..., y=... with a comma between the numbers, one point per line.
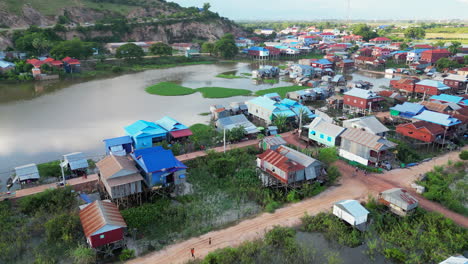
x=169, y=89
x=246, y=74
x=229, y=76
x=280, y=90
x=220, y=92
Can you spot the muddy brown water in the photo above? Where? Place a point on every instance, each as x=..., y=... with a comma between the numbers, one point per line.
x=40, y=122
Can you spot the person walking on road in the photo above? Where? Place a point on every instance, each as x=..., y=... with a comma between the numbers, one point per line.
x=192, y=250
x=209, y=241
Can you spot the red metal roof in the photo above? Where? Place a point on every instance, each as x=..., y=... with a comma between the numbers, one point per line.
x=99, y=214
x=434, y=129
x=327, y=34
x=442, y=51
x=66, y=59
x=49, y=60
x=181, y=133
x=56, y=63
x=73, y=61
x=280, y=161
x=380, y=39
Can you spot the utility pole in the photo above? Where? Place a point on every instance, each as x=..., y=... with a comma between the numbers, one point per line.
x=348, y=11
x=224, y=139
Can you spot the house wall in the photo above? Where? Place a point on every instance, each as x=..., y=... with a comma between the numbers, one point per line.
x=344, y=215
x=125, y=190
x=430, y=90
x=260, y=112
x=407, y=87
x=268, y=166
x=433, y=57
x=322, y=138
x=422, y=135
x=457, y=85
x=109, y=237
x=144, y=142
x=356, y=101
x=353, y=151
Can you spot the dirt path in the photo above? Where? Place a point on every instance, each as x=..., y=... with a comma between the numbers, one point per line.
x=350, y=187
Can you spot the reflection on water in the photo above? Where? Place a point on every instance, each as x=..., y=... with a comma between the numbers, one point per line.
x=41, y=121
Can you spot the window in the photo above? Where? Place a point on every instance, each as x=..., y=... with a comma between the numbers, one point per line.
x=322, y=136
x=410, y=132
x=313, y=132
x=101, y=236
x=362, y=102
x=354, y=100
x=329, y=139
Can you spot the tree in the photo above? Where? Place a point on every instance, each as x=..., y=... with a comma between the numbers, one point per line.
x=207, y=47
x=454, y=47
x=403, y=46
x=281, y=122
x=63, y=228
x=226, y=47
x=445, y=63
x=129, y=51
x=466, y=59
x=464, y=155
x=439, y=44
x=160, y=49
x=415, y=33
x=365, y=31
x=83, y=255
x=74, y=48
x=206, y=7
x=328, y=155
x=236, y=134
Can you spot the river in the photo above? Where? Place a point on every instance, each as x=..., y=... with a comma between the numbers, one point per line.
x=40, y=122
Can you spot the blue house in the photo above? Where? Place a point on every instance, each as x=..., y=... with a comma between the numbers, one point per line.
x=407, y=110
x=297, y=108
x=159, y=167
x=145, y=133
x=438, y=118
x=175, y=130
x=447, y=98
x=119, y=146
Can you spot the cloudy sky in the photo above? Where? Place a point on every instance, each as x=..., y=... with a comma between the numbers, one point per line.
x=335, y=9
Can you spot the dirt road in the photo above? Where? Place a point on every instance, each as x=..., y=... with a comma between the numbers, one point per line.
x=350, y=187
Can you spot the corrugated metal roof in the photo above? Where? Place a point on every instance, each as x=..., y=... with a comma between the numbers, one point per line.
x=99, y=214
x=170, y=124
x=407, y=107
x=433, y=106
x=353, y=208
x=144, y=128
x=27, y=172
x=112, y=165
x=280, y=161
x=157, y=159
x=320, y=125
x=6, y=64
x=455, y=260
x=361, y=93
x=367, y=139
x=432, y=83
x=438, y=118
x=447, y=98
x=76, y=160
x=181, y=133
x=274, y=141
x=297, y=156
x=117, y=141
x=370, y=123
x=231, y=122
x=400, y=198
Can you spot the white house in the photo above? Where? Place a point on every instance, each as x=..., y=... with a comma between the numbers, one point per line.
x=368, y=123
x=27, y=173
x=351, y=211
x=267, y=32
x=455, y=260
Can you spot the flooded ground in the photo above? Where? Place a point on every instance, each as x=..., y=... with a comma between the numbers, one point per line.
x=40, y=122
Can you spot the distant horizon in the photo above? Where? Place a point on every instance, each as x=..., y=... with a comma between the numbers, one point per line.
x=336, y=10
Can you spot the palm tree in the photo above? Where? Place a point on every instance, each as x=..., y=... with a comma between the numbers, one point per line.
x=281, y=122
x=454, y=47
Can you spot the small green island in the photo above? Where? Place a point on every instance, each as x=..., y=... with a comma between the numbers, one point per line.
x=173, y=89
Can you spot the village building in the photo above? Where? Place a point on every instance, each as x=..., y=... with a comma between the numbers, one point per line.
x=421, y=131
x=260, y=53
x=119, y=176
x=185, y=46
x=288, y=165
x=380, y=40
x=430, y=87
x=463, y=71
x=267, y=32
x=458, y=83
x=379, y=52
x=27, y=173
x=352, y=37
x=159, y=167
x=438, y=118
x=266, y=109
x=272, y=142
x=327, y=36
x=449, y=99
x=219, y=111
x=393, y=97
x=119, y=146
x=433, y=55
x=322, y=64
x=436, y=107
x=5, y=66
x=346, y=64
x=302, y=95
x=359, y=100
x=367, y=123
x=455, y=260
x=368, y=61
x=324, y=132
x=175, y=131
x=365, y=52
x=145, y=45
x=238, y=108
x=351, y=211
x=274, y=52
x=399, y=201
x=365, y=148
x=404, y=85
x=145, y=133
x=414, y=55
x=103, y=224
x=71, y=65
x=236, y=121
x=76, y=162
x=407, y=110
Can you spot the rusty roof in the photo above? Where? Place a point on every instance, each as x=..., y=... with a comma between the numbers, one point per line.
x=280, y=161
x=367, y=139
x=98, y=214
x=434, y=106
x=111, y=165
x=434, y=129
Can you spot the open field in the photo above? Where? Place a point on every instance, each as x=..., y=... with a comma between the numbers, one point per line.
x=220, y=92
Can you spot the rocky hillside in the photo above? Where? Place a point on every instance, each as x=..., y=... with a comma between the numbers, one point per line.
x=146, y=19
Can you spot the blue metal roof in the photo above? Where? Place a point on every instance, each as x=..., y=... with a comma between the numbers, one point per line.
x=447, y=98
x=418, y=50
x=85, y=197
x=5, y=64
x=270, y=95
x=258, y=48
x=353, y=207
x=170, y=124
x=407, y=107
x=322, y=61
x=263, y=102
x=110, y=142
x=438, y=118
x=143, y=128
x=437, y=84
x=157, y=159
x=76, y=160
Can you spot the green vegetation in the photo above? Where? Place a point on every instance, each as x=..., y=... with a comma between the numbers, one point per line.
x=204, y=136
x=464, y=155
x=280, y=90
x=278, y=246
x=395, y=64
x=172, y=89
x=328, y=155
x=43, y=226
x=126, y=254
x=220, y=92
x=449, y=186
x=406, y=153
x=169, y=89
x=72, y=48
x=83, y=255
x=129, y=51
x=415, y=33
x=445, y=63
x=226, y=47
x=205, y=114
x=423, y=237
x=333, y=229
x=229, y=76
x=270, y=81
x=364, y=30
x=160, y=49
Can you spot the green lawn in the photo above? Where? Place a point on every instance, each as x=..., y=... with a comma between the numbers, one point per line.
x=169, y=89
x=220, y=92
x=172, y=89
x=280, y=90
x=229, y=76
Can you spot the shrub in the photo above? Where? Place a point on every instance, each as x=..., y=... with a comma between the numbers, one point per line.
x=83, y=255
x=328, y=155
x=63, y=228
x=48, y=201
x=272, y=206
x=117, y=69
x=127, y=254
x=464, y=155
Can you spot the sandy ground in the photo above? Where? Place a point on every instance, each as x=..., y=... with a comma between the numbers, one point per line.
x=350, y=187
